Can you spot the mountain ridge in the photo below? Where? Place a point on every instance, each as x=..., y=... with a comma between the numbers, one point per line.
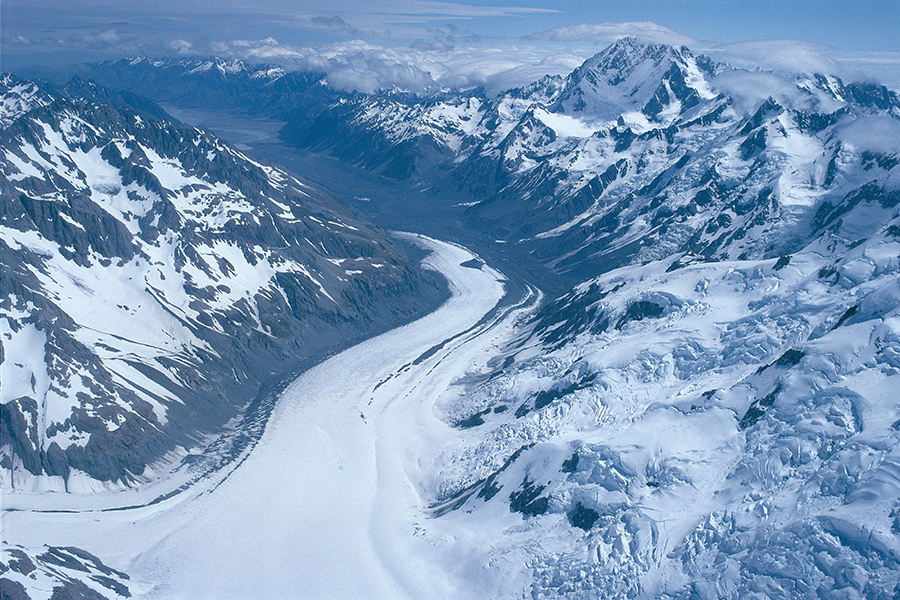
x=237, y=267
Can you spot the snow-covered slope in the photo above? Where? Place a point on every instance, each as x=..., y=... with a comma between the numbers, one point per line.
x=711, y=413
x=398, y=136
x=58, y=572
x=154, y=279
x=19, y=97
x=659, y=81
x=643, y=151
x=716, y=183
x=326, y=505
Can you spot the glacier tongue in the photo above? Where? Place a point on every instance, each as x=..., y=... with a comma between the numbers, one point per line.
x=330, y=500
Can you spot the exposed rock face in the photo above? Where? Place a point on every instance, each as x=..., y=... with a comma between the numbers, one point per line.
x=154, y=278
x=58, y=573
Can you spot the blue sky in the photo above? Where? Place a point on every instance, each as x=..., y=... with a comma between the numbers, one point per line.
x=863, y=35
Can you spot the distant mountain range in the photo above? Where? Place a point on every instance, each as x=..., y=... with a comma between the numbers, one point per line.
x=642, y=152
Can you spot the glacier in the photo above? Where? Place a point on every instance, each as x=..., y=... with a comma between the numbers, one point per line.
x=680, y=386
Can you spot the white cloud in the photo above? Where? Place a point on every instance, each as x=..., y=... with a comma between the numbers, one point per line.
x=180, y=46
x=749, y=88
x=100, y=40
x=443, y=63
x=444, y=57
x=354, y=65
x=606, y=33
x=866, y=66
x=499, y=69
x=333, y=22
x=784, y=60
x=366, y=67
x=874, y=133
x=786, y=56
x=790, y=56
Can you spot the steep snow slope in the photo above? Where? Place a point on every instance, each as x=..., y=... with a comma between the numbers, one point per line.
x=729, y=176
x=154, y=279
x=394, y=135
x=711, y=413
x=642, y=152
x=659, y=81
x=19, y=97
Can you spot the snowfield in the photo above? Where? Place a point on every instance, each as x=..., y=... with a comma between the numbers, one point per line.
x=330, y=502
x=717, y=430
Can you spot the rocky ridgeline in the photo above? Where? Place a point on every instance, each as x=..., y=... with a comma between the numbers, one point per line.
x=58, y=572
x=644, y=151
x=154, y=279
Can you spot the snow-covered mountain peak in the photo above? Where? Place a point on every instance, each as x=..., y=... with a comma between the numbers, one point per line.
x=187, y=69
x=224, y=66
x=18, y=97
x=706, y=409
x=659, y=80
x=619, y=60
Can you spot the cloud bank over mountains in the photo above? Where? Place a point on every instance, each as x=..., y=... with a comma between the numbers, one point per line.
x=448, y=62
x=366, y=67
x=646, y=31
x=446, y=57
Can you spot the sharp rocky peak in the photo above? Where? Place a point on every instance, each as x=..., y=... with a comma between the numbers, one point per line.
x=627, y=54
x=632, y=75
x=19, y=96
x=227, y=67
